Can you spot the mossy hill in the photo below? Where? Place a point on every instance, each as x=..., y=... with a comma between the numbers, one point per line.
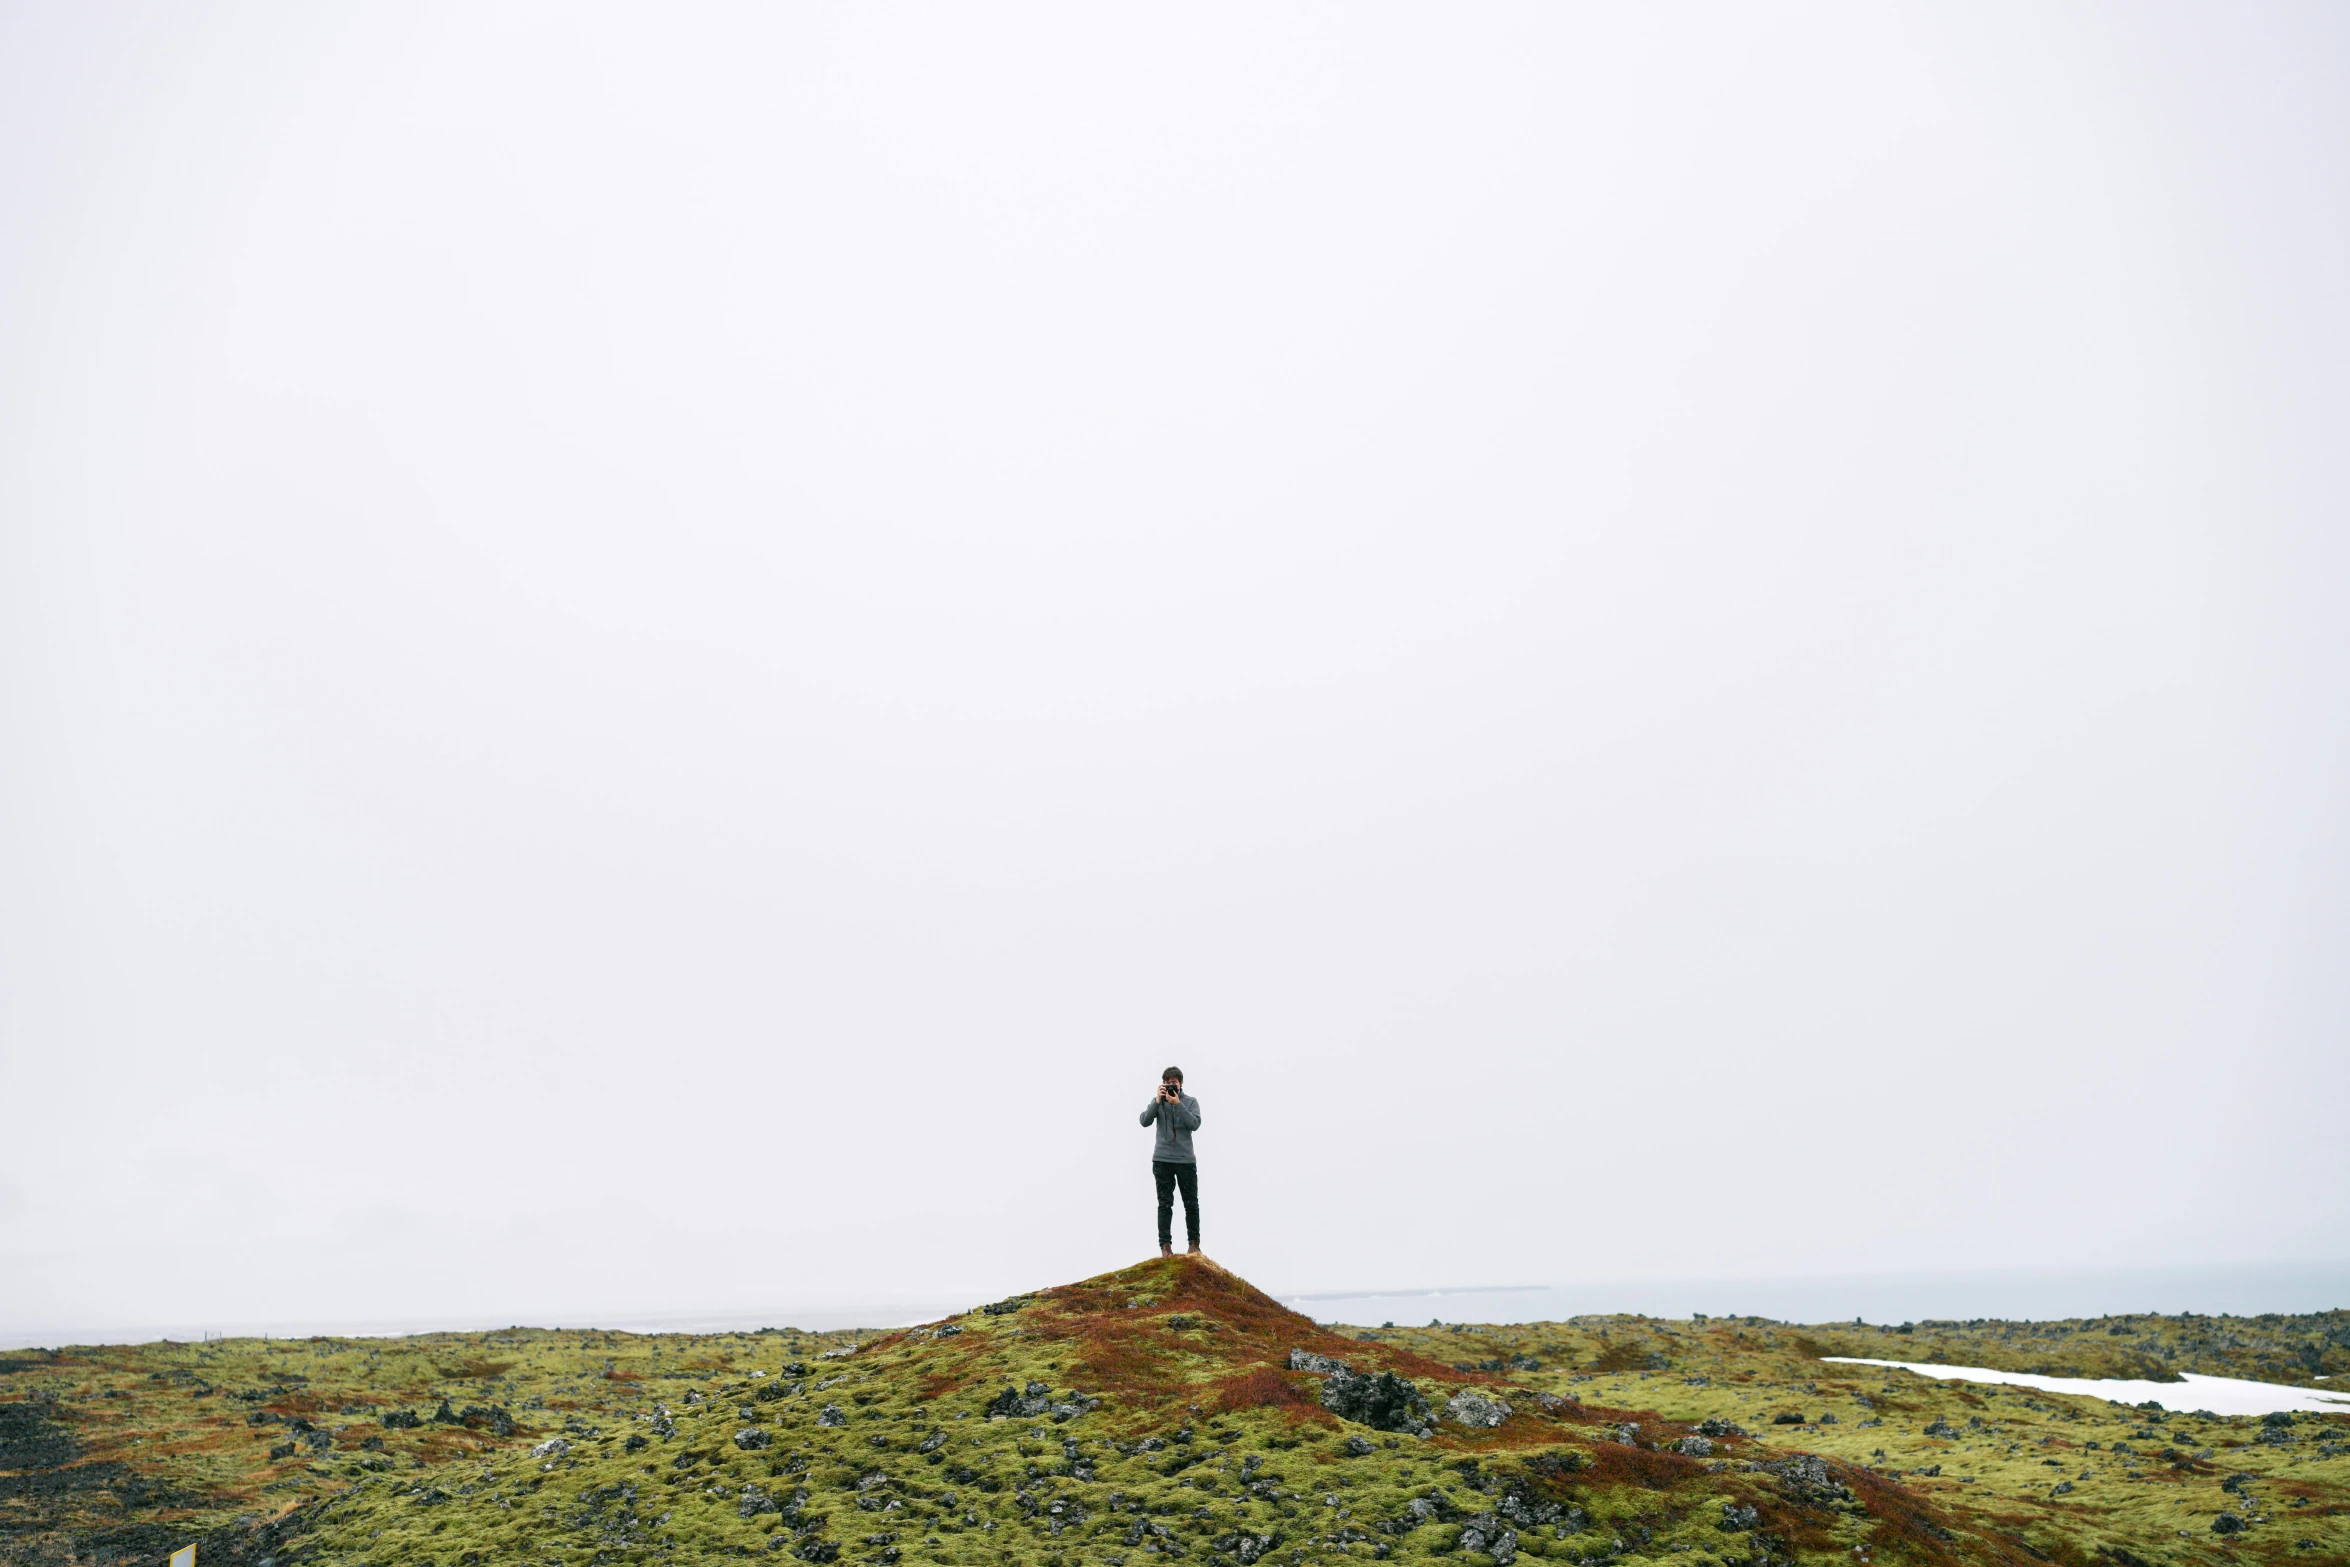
x=1165, y=1411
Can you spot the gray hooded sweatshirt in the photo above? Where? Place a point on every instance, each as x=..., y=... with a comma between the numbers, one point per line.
x=1176, y=1124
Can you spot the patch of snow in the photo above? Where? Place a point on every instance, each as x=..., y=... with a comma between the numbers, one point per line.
x=2220, y=1395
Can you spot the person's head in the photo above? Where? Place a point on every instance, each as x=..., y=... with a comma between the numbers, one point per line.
x=1172, y=1078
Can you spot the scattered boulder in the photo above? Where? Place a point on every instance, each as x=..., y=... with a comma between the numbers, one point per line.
x=1471, y=1408
x=2228, y=1523
x=1738, y=1517
x=1520, y=1506
x=830, y=1415
x=1796, y=1420
x=1715, y=1426
x=552, y=1448
x=1486, y=1533
x=1359, y=1447
x=751, y=1438
x=1382, y=1401
x=1319, y=1365
x=1004, y=1308
x=1943, y=1429
x=1694, y=1447
x=401, y=1420
x=1807, y=1478
x=1034, y=1400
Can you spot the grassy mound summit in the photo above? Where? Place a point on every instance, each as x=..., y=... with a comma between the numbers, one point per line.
x=1168, y=1410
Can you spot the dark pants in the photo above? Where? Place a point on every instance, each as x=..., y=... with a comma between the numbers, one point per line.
x=1170, y=1176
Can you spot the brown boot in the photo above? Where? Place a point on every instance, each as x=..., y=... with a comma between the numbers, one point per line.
x=1166, y=1251
x=1194, y=1251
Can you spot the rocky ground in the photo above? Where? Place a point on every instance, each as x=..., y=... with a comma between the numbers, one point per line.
x=1166, y=1411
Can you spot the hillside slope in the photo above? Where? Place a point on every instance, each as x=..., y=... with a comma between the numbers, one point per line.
x=1166, y=1410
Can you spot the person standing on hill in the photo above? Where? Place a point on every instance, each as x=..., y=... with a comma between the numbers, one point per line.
x=1176, y=1114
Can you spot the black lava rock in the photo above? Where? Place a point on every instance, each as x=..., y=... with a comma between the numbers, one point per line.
x=1807, y=1478
x=1384, y=1402
x=1033, y=1400
x=1486, y=1533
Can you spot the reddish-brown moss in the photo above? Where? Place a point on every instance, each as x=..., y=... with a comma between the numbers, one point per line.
x=1263, y=1387
x=1621, y=1357
x=1904, y=1527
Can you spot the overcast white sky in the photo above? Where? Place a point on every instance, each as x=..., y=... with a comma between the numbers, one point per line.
x=653, y=659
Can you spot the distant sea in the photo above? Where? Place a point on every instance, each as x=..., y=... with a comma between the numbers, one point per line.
x=2017, y=1296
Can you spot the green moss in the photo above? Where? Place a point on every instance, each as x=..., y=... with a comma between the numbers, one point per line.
x=1191, y=1423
